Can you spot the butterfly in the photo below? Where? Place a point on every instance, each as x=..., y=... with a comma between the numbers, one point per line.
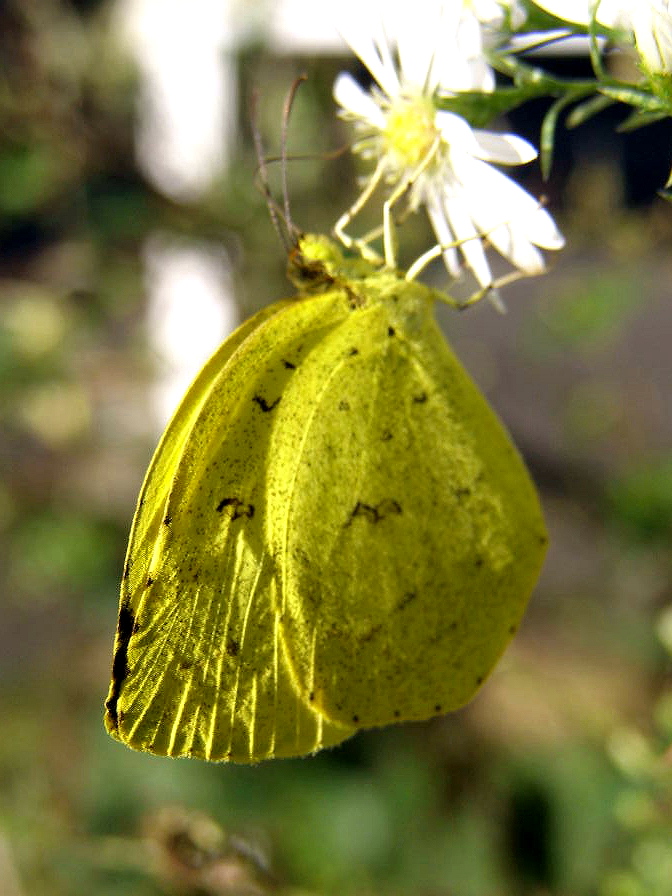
x=335, y=531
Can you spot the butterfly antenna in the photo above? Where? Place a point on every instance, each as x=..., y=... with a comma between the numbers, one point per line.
x=262, y=170
x=286, y=113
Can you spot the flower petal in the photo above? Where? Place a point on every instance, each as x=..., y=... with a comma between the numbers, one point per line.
x=458, y=213
x=373, y=51
x=414, y=39
x=497, y=200
x=612, y=13
x=455, y=132
x=514, y=246
x=652, y=25
x=426, y=41
x=443, y=233
x=357, y=102
x=504, y=149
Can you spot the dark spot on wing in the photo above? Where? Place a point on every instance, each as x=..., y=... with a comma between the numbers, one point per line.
x=232, y=647
x=240, y=508
x=167, y=520
x=386, y=435
x=437, y=708
x=343, y=405
x=264, y=405
x=374, y=513
x=354, y=351
x=391, y=331
x=478, y=562
x=288, y=364
x=120, y=670
x=311, y=696
x=513, y=629
x=355, y=719
x=396, y=713
x=463, y=492
x=479, y=680
x=406, y=599
x=150, y=581
x=543, y=539
x=420, y=399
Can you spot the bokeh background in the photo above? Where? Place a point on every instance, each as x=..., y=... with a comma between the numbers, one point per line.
x=132, y=239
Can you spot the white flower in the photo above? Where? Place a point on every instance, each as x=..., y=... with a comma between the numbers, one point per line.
x=499, y=14
x=609, y=13
x=652, y=29
x=429, y=157
x=648, y=22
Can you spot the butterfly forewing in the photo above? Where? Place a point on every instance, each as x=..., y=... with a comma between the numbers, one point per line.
x=198, y=667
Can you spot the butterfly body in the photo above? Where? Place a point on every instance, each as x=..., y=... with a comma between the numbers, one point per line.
x=335, y=532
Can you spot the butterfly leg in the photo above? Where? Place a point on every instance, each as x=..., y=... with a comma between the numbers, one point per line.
x=361, y=244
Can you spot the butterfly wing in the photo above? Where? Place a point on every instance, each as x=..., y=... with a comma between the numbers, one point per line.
x=158, y=480
x=198, y=668
x=408, y=535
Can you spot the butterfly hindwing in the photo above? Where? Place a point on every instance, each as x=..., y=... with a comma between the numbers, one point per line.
x=408, y=535
x=198, y=669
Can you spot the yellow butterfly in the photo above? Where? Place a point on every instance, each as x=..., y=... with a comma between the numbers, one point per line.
x=335, y=531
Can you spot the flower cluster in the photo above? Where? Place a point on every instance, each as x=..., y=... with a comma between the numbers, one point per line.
x=647, y=24
x=426, y=156
x=430, y=62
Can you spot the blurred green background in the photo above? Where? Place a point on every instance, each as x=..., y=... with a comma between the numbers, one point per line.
x=555, y=780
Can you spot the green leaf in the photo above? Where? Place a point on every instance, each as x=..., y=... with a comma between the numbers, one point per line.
x=633, y=96
x=548, y=132
x=639, y=120
x=583, y=111
x=480, y=109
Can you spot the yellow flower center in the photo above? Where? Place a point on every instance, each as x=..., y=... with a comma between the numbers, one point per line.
x=410, y=131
